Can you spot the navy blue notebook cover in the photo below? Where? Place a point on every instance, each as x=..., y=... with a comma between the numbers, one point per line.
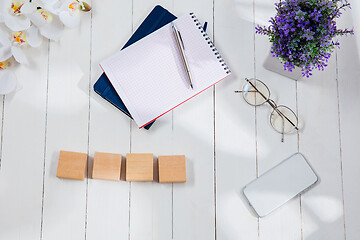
x=157, y=18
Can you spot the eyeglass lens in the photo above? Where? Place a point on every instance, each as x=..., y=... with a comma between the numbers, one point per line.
x=255, y=92
x=280, y=119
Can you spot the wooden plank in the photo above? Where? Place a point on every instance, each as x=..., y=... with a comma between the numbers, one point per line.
x=322, y=208
x=235, y=142
x=108, y=202
x=194, y=202
x=284, y=223
x=150, y=202
x=67, y=129
x=349, y=99
x=21, y=175
x=2, y=103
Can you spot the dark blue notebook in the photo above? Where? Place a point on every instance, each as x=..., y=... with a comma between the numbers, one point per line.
x=157, y=18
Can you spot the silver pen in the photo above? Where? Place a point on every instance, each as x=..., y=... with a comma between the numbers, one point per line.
x=181, y=48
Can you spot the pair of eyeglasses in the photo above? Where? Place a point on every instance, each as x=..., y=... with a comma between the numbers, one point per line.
x=282, y=118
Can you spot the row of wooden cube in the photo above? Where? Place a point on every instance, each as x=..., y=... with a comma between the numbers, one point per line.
x=107, y=166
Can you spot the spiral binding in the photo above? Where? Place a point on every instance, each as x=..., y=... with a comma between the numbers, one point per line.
x=211, y=44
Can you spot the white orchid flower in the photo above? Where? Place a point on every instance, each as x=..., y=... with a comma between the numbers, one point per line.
x=12, y=47
x=53, y=14
x=8, y=82
x=69, y=12
x=47, y=22
x=48, y=18
x=14, y=14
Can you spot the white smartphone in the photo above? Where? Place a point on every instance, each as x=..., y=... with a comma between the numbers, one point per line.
x=283, y=182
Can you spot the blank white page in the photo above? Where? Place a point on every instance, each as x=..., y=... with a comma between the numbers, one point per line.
x=149, y=75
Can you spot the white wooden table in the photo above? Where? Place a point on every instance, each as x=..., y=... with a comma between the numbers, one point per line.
x=227, y=142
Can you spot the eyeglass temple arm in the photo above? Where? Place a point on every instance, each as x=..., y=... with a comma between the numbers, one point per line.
x=272, y=104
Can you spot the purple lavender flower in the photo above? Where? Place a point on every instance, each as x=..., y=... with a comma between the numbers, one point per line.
x=302, y=32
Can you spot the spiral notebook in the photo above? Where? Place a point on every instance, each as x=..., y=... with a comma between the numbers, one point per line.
x=149, y=76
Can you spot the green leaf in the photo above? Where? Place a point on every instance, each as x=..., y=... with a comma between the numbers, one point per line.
x=85, y=7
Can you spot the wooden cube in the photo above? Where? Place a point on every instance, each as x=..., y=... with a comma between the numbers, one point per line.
x=107, y=166
x=71, y=165
x=172, y=169
x=139, y=167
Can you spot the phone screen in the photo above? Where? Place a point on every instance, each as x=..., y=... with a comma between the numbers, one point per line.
x=280, y=184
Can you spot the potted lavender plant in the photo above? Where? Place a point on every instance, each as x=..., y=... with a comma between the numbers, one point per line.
x=302, y=33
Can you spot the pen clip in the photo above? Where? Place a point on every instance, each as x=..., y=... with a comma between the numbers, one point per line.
x=182, y=43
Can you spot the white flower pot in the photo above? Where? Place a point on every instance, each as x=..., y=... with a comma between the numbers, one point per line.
x=273, y=64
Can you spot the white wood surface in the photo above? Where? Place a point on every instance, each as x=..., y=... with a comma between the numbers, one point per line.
x=235, y=138
x=349, y=99
x=227, y=143
x=108, y=202
x=67, y=125
x=23, y=145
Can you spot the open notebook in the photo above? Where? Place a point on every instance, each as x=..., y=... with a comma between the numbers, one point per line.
x=149, y=75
